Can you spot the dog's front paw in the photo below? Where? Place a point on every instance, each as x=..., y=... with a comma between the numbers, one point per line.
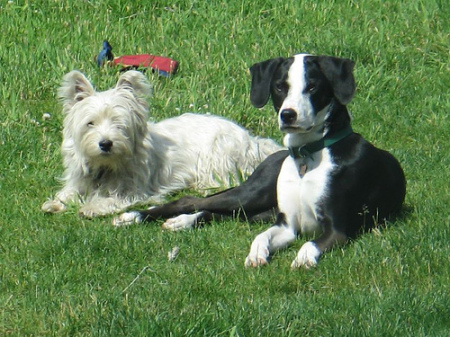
x=257, y=257
x=53, y=206
x=255, y=261
x=101, y=207
x=307, y=256
x=181, y=222
x=90, y=211
x=259, y=252
x=127, y=219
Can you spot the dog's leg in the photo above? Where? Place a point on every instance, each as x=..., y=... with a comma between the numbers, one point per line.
x=184, y=205
x=178, y=212
x=180, y=222
x=307, y=256
x=58, y=204
x=53, y=206
x=275, y=238
x=100, y=206
x=186, y=221
x=127, y=219
x=311, y=251
x=254, y=196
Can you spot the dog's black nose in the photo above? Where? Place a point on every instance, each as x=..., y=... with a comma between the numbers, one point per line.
x=288, y=116
x=105, y=145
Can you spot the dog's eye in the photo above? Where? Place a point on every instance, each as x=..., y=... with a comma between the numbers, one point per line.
x=279, y=86
x=310, y=88
x=90, y=124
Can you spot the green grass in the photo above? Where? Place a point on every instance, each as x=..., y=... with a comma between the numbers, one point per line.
x=65, y=276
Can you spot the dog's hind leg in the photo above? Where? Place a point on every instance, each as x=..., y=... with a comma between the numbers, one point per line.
x=186, y=204
x=186, y=221
x=256, y=195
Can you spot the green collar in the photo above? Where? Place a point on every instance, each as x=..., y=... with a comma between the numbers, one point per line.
x=308, y=149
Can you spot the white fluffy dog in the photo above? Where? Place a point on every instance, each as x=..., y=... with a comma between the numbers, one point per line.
x=114, y=157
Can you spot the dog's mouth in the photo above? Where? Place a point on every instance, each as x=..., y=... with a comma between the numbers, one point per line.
x=106, y=153
x=294, y=129
x=104, y=156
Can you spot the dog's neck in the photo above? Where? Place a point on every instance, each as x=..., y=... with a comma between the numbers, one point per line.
x=335, y=128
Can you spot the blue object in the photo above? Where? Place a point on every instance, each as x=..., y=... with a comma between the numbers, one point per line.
x=105, y=54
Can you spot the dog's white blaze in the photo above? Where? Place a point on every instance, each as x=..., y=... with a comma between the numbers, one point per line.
x=298, y=196
x=296, y=99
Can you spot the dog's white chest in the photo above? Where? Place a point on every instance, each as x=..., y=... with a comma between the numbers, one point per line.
x=298, y=195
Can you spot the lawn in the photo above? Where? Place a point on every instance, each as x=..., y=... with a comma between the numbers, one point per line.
x=62, y=275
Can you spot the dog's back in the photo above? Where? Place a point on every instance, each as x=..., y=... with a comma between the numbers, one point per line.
x=215, y=151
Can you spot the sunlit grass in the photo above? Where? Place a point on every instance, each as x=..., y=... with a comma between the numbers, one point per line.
x=63, y=275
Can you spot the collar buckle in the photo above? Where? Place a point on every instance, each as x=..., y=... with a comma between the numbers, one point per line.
x=299, y=152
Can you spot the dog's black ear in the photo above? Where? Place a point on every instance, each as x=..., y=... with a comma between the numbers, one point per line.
x=74, y=88
x=339, y=72
x=261, y=78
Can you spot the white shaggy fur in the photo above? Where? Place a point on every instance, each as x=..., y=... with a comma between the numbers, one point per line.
x=114, y=158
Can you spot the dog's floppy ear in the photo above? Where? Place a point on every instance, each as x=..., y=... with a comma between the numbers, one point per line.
x=261, y=78
x=339, y=72
x=136, y=82
x=74, y=88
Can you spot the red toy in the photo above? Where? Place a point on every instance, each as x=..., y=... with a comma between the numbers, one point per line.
x=163, y=65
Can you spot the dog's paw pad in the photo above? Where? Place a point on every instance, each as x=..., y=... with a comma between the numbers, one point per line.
x=127, y=219
x=53, y=206
x=307, y=256
x=181, y=222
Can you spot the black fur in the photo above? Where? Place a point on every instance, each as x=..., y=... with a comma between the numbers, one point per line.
x=256, y=195
x=367, y=185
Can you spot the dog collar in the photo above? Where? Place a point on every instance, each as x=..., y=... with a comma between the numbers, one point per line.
x=308, y=149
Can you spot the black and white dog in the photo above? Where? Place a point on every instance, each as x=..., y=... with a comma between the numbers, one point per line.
x=333, y=183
